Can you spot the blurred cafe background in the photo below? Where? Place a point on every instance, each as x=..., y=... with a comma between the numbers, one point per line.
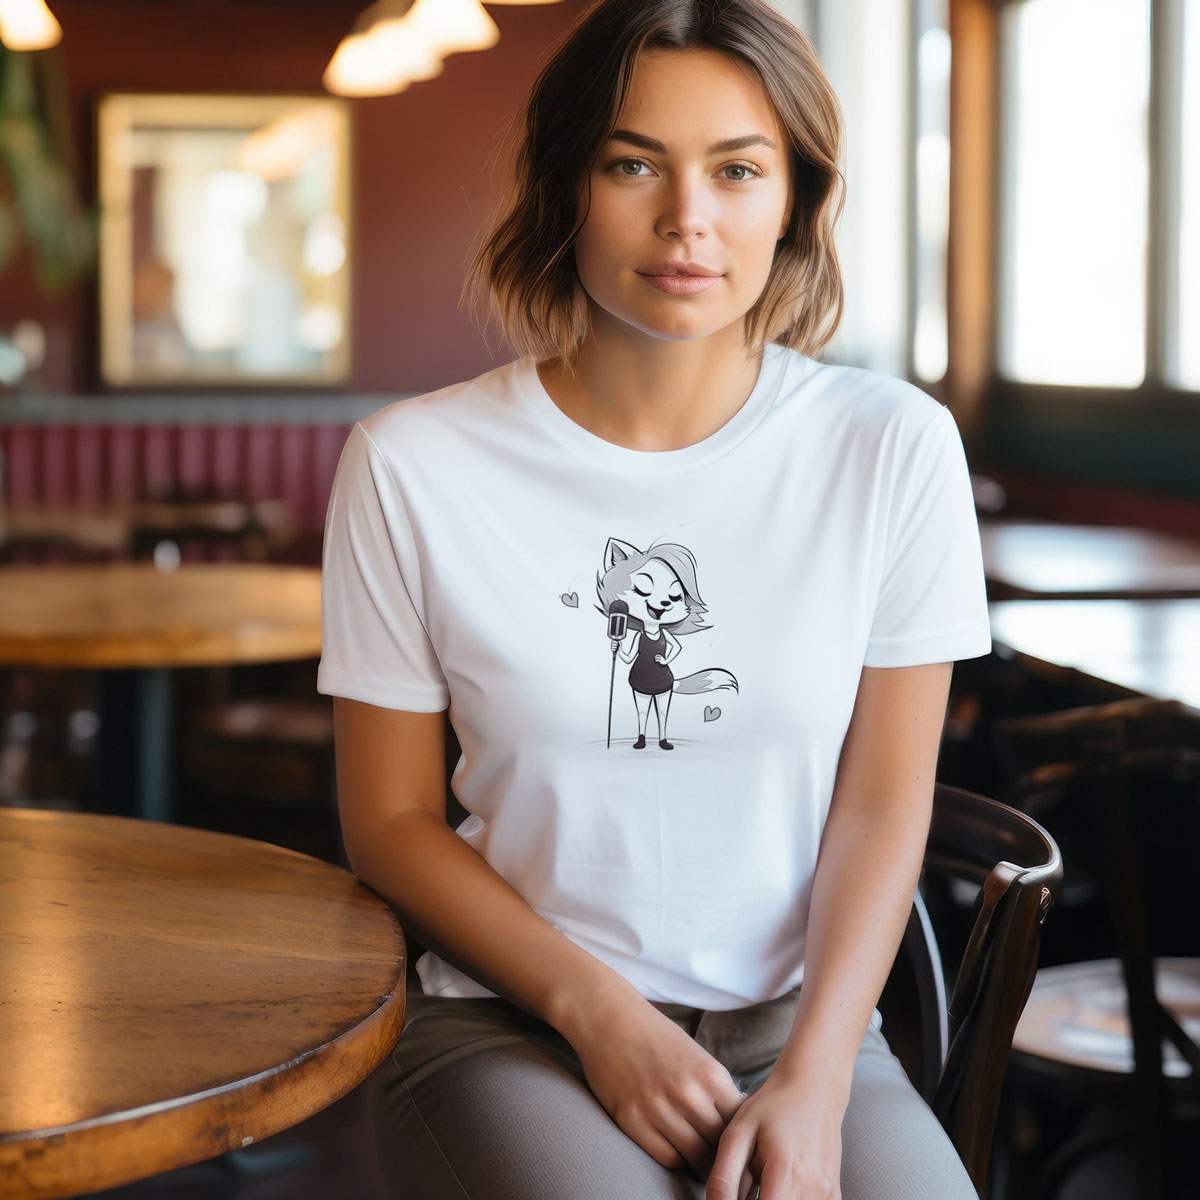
x=231, y=228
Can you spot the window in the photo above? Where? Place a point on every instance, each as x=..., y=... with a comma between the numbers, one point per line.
x=1073, y=176
x=1097, y=217
x=932, y=183
x=1183, y=352
x=1098, y=281
x=889, y=63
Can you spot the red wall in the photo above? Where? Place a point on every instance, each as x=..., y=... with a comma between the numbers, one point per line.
x=421, y=165
x=89, y=467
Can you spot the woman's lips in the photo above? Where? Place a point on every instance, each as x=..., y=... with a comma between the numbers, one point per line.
x=681, y=285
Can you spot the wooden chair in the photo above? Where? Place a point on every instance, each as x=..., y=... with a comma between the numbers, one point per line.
x=266, y=764
x=212, y=526
x=1115, y=778
x=961, y=1045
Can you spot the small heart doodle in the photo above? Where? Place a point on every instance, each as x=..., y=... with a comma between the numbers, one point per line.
x=570, y=599
x=711, y=712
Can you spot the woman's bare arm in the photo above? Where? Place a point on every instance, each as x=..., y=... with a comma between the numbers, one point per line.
x=870, y=859
x=392, y=807
x=868, y=865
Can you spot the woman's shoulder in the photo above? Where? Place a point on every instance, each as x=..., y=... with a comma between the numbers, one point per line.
x=440, y=412
x=877, y=404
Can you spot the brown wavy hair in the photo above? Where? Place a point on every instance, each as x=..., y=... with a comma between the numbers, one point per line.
x=522, y=264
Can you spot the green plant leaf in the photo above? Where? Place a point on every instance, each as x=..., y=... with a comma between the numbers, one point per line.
x=45, y=201
x=8, y=234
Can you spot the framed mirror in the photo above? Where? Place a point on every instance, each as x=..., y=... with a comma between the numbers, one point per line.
x=224, y=239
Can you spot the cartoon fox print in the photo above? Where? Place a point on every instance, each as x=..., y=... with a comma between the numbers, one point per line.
x=657, y=589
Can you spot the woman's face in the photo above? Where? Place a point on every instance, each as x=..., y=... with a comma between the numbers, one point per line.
x=662, y=189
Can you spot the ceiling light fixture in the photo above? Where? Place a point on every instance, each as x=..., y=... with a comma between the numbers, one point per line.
x=28, y=25
x=397, y=42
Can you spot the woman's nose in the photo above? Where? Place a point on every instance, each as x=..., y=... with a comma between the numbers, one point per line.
x=684, y=210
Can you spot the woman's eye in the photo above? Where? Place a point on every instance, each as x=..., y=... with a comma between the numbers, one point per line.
x=751, y=172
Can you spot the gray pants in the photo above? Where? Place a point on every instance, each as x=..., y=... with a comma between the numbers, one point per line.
x=481, y=1100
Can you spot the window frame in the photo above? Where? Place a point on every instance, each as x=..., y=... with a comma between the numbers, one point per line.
x=1161, y=333
x=1020, y=419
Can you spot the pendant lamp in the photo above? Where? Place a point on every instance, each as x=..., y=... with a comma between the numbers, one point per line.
x=382, y=54
x=28, y=25
x=450, y=26
x=397, y=42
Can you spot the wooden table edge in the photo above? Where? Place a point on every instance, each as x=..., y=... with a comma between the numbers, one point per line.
x=118, y=1148
x=132, y=654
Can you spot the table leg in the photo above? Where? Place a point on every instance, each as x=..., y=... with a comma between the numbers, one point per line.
x=133, y=752
x=155, y=712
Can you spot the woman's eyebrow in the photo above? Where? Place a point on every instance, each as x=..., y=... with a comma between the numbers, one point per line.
x=649, y=143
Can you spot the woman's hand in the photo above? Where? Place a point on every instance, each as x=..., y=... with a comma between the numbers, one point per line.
x=788, y=1135
x=658, y=1084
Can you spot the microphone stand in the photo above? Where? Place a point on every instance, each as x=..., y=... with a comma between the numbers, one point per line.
x=612, y=677
x=618, y=623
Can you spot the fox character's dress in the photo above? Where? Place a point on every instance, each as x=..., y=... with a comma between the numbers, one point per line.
x=647, y=676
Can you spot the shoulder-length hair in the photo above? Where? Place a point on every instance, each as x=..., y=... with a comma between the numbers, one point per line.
x=523, y=263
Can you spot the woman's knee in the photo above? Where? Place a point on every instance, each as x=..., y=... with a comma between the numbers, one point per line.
x=509, y=1121
x=893, y=1146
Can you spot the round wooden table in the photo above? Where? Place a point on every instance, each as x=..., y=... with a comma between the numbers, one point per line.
x=133, y=622
x=174, y=993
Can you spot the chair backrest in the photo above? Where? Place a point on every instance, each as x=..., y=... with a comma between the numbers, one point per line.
x=216, y=526
x=964, y=1043
x=1086, y=764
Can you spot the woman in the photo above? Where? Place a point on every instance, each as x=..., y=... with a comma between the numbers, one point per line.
x=610, y=1004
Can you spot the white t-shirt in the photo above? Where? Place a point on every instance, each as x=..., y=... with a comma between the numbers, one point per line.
x=475, y=541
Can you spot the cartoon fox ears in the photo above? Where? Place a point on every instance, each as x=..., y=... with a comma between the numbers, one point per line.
x=618, y=551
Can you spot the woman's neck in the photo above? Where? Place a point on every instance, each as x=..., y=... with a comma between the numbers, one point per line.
x=650, y=394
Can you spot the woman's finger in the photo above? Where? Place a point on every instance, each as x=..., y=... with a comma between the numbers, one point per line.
x=726, y=1177
x=691, y=1143
x=728, y=1099
x=700, y=1109
x=657, y=1146
x=701, y=1112
x=747, y=1189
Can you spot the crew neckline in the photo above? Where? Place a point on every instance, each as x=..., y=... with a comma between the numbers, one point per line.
x=597, y=449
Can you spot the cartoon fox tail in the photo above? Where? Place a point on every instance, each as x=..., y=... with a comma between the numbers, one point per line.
x=710, y=679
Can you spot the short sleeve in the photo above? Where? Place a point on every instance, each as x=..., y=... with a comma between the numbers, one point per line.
x=374, y=643
x=932, y=602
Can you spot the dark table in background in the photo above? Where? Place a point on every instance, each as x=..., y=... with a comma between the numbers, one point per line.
x=1145, y=647
x=1050, y=561
x=133, y=623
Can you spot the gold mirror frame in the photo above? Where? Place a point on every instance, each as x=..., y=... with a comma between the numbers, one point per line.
x=120, y=118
